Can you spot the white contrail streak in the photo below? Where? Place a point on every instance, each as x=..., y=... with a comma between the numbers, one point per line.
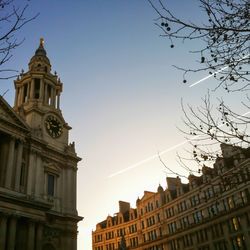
x=148, y=159
x=207, y=77
x=181, y=143
x=164, y=151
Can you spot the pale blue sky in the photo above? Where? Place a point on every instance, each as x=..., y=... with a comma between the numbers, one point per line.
x=121, y=95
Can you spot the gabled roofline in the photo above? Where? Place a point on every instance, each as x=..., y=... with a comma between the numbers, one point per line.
x=20, y=122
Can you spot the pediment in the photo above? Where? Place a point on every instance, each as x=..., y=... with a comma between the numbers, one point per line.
x=9, y=117
x=147, y=195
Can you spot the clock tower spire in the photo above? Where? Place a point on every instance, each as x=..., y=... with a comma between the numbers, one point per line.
x=38, y=88
x=37, y=99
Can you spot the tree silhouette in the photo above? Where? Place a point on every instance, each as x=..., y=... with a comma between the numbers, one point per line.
x=225, y=33
x=225, y=54
x=12, y=19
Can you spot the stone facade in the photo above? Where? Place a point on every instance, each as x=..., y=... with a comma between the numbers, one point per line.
x=210, y=212
x=38, y=165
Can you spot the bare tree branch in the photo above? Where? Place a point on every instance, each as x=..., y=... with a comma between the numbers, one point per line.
x=12, y=19
x=225, y=35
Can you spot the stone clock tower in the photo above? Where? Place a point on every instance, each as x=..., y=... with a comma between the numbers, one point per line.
x=38, y=164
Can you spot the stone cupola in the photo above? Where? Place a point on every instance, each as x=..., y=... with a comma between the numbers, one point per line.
x=38, y=88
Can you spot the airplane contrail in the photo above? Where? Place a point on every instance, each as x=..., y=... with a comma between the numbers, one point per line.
x=164, y=151
x=181, y=143
x=207, y=77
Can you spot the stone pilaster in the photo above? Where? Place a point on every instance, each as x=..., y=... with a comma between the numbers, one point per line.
x=18, y=165
x=21, y=94
x=41, y=95
x=31, y=235
x=3, y=230
x=12, y=235
x=244, y=225
x=28, y=91
x=39, y=235
x=74, y=184
x=45, y=93
x=58, y=101
x=10, y=163
x=16, y=97
x=39, y=177
x=32, y=88
x=53, y=96
x=30, y=179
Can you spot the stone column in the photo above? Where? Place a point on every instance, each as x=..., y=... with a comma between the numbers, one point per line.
x=32, y=86
x=66, y=195
x=53, y=96
x=30, y=179
x=210, y=237
x=227, y=236
x=70, y=190
x=74, y=241
x=18, y=165
x=4, y=161
x=58, y=101
x=3, y=229
x=74, y=171
x=21, y=94
x=12, y=235
x=19, y=100
x=10, y=163
x=31, y=235
x=39, y=177
x=244, y=225
x=16, y=96
x=45, y=93
x=58, y=192
x=28, y=91
x=39, y=236
x=41, y=90
x=67, y=241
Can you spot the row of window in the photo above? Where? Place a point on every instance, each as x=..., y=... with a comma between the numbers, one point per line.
x=216, y=230
x=152, y=235
x=109, y=235
x=237, y=242
x=150, y=207
x=150, y=221
x=112, y=246
x=134, y=242
x=133, y=228
x=239, y=199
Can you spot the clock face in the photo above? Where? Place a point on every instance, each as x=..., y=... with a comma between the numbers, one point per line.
x=53, y=126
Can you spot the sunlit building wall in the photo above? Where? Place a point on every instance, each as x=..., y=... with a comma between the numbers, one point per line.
x=210, y=212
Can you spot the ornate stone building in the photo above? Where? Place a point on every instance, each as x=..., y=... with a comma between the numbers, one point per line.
x=211, y=212
x=38, y=165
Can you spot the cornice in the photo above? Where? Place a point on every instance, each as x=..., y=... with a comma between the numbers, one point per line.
x=25, y=201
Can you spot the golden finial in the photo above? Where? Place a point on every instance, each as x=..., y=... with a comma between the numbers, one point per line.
x=41, y=42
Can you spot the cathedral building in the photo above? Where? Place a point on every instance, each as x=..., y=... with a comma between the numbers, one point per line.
x=210, y=212
x=38, y=165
